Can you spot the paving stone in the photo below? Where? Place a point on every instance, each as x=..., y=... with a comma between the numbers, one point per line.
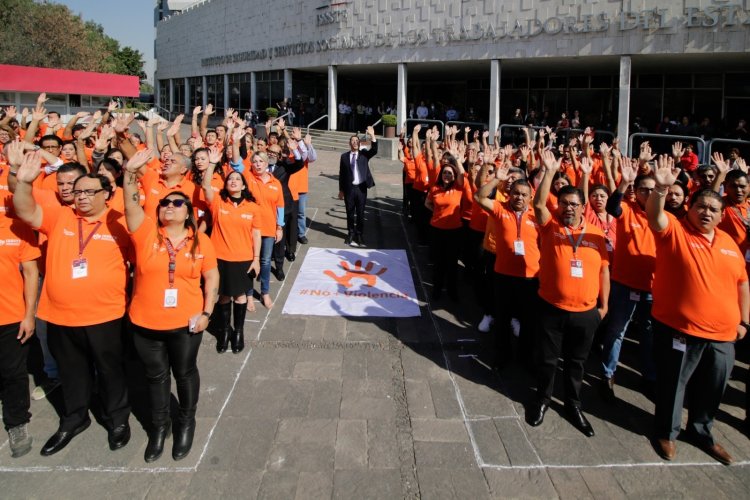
x=325, y=400
x=452, y=484
x=444, y=455
x=351, y=444
x=208, y=484
x=318, y=365
x=515, y=442
x=166, y=485
x=382, y=446
x=290, y=328
x=243, y=483
x=354, y=365
x=569, y=484
x=278, y=484
x=419, y=399
x=602, y=483
x=270, y=363
x=363, y=399
x=439, y=430
x=314, y=485
x=380, y=483
x=520, y=483
x=444, y=399
x=324, y=329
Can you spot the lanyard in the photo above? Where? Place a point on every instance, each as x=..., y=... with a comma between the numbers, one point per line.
x=172, y=251
x=577, y=243
x=81, y=243
x=519, y=218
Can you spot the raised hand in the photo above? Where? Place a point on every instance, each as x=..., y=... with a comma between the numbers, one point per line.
x=308, y=140
x=741, y=164
x=31, y=167
x=501, y=172
x=238, y=134
x=296, y=133
x=106, y=135
x=677, y=150
x=586, y=165
x=175, y=127
x=604, y=150
x=718, y=159
x=209, y=110
x=111, y=106
x=370, y=131
x=629, y=171
x=139, y=159
x=549, y=162
x=646, y=154
x=123, y=121
x=14, y=151
x=197, y=110
x=214, y=154
x=665, y=172
x=11, y=111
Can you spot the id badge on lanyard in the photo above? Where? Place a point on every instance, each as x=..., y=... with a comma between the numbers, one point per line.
x=80, y=266
x=576, y=264
x=518, y=246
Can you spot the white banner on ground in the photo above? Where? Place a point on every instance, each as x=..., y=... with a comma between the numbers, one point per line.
x=348, y=282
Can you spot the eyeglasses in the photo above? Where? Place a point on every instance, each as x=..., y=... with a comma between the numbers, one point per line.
x=88, y=192
x=571, y=205
x=51, y=146
x=645, y=189
x=272, y=153
x=175, y=202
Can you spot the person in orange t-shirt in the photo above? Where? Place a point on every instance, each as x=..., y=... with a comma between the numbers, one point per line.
x=169, y=310
x=88, y=251
x=444, y=200
x=236, y=238
x=701, y=308
x=18, y=249
x=632, y=279
x=574, y=288
x=516, y=265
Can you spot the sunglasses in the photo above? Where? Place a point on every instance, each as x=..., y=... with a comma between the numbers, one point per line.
x=177, y=203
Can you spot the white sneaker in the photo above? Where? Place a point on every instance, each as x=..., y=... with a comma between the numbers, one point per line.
x=20, y=441
x=516, y=327
x=486, y=323
x=41, y=391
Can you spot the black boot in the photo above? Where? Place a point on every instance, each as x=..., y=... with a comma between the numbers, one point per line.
x=238, y=336
x=222, y=339
x=183, y=439
x=156, y=438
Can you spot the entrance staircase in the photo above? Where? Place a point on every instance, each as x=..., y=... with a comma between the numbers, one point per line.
x=330, y=140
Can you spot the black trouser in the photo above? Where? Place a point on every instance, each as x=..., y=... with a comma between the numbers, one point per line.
x=567, y=334
x=702, y=369
x=445, y=246
x=77, y=350
x=421, y=215
x=161, y=351
x=406, y=208
x=515, y=298
x=288, y=242
x=355, y=200
x=14, y=377
x=472, y=255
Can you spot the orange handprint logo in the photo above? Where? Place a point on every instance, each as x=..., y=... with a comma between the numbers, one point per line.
x=357, y=273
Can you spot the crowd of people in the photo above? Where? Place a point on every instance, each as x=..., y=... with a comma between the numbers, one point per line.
x=568, y=245
x=170, y=232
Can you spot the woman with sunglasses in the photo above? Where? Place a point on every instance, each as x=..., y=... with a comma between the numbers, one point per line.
x=169, y=311
x=236, y=238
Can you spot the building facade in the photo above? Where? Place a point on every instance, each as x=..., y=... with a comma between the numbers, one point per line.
x=610, y=60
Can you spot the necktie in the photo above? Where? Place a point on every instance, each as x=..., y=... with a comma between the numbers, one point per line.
x=354, y=161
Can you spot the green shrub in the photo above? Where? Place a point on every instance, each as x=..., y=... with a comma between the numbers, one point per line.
x=389, y=120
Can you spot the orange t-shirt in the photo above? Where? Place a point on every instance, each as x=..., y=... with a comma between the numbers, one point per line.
x=479, y=216
x=232, y=235
x=100, y=295
x=635, y=250
x=17, y=245
x=298, y=181
x=410, y=169
x=116, y=202
x=155, y=189
x=6, y=197
x=147, y=308
x=422, y=173
x=446, y=211
x=557, y=285
x=608, y=227
x=695, y=282
x=733, y=223
x=269, y=196
x=510, y=258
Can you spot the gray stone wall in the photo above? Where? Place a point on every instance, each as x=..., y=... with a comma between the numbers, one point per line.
x=230, y=36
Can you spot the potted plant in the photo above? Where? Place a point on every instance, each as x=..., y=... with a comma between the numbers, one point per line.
x=272, y=112
x=389, y=124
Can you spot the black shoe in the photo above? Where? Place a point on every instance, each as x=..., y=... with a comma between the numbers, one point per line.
x=156, y=438
x=360, y=241
x=348, y=240
x=535, y=415
x=60, y=439
x=225, y=317
x=279, y=273
x=238, y=337
x=183, y=440
x=579, y=420
x=118, y=437
x=302, y=240
x=607, y=389
x=290, y=256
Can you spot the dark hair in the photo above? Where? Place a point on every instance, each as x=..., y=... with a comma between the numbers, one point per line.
x=520, y=182
x=51, y=137
x=640, y=178
x=110, y=151
x=599, y=187
x=189, y=222
x=706, y=193
x=682, y=186
x=114, y=168
x=210, y=130
x=561, y=175
x=733, y=175
x=245, y=194
x=72, y=167
x=566, y=190
x=103, y=180
x=516, y=170
x=439, y=181
x=705, y=167
x=197, y=175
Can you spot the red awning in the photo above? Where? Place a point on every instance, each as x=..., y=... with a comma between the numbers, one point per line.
x=64, y=81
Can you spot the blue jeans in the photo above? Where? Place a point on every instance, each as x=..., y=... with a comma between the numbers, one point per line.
x=50, y=365
x=624, y=308
x=266, y=251
x=301, y=218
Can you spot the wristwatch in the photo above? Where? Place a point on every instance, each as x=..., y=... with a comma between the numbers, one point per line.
x=746, y=325
x=206, y=314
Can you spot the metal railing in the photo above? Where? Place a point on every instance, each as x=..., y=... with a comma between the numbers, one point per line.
x=743, y=146
x=315, y=121
x=662, y=144
x=473, y=127
x=426, y=124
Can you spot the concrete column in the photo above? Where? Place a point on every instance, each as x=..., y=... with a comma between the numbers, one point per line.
x=401, y=97
x=623, y=110
x=253, y=92
x=494, y=98
x=188, y=109
x=171, y=95
x=332, y=97
x=205, y=91
x=287, y=84
x=226, y=93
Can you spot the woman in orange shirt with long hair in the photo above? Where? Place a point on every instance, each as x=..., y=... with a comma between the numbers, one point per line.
x=169, y=311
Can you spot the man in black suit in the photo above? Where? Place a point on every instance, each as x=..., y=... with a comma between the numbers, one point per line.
x=354, y=180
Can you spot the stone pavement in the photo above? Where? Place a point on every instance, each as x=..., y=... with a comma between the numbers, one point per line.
x=320, y=407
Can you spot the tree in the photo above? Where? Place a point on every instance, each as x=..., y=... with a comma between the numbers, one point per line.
x=49, y=35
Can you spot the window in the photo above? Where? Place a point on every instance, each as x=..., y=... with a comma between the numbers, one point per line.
x=215, y=92
x=195, y=92
x=179, y=95
x=239, y=92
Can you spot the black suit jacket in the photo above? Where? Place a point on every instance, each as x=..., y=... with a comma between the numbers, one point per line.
x=363, y=167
